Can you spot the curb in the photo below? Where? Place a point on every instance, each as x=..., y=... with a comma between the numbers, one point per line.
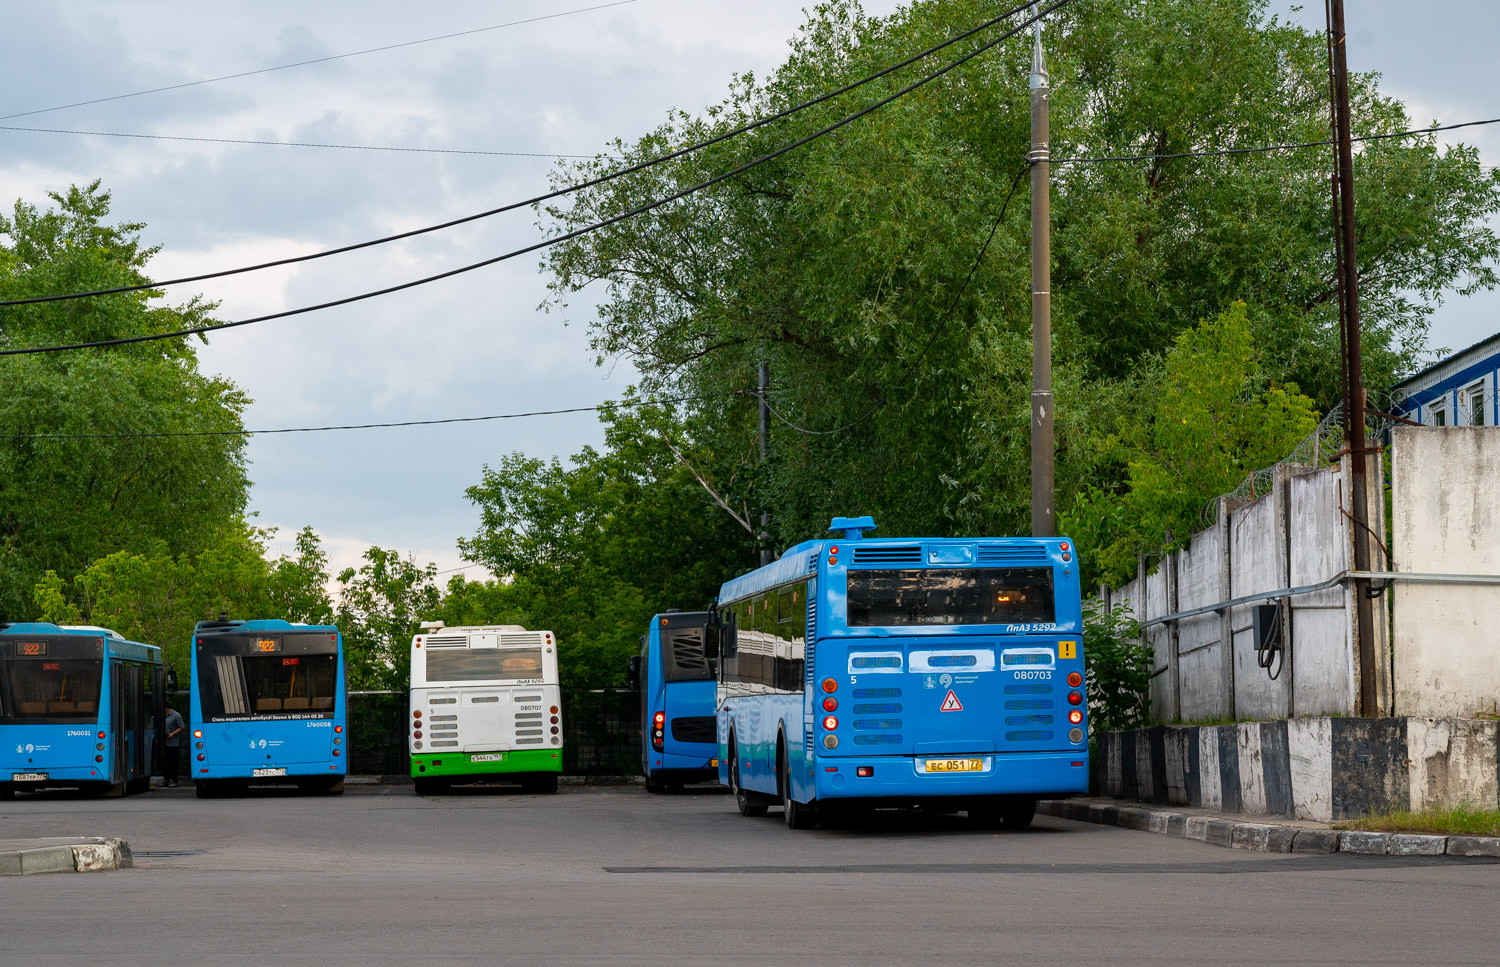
x=1267, y=837
x=93, y=855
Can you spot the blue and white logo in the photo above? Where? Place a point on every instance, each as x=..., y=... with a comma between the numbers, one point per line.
x=945, y=680
x=929, y=682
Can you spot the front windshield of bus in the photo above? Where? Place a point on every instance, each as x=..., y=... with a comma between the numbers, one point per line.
x=951, y=596
x=483, y=664
x=47, y=691
x=286, y=677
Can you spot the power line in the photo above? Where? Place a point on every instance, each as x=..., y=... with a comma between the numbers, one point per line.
x=558, y=193
x=545, y=243
x=1274, y=147
x=937, y=330
x=298, y=144
x=600, y=408
x=315, y=60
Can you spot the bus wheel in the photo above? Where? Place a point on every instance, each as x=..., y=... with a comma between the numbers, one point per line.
x=984, y=817
x=112, y=790
x=1018, y=813
x=7, y=791
x=544, y=784
x=334, y=788
x=204, y=789
x=742, y=799
x=656, y=784
x=427, y=786
x=798, y=815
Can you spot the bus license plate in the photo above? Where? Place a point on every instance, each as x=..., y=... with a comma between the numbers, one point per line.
x=954, y=765
x=28, y=777
x=266, y=773
x=488, y=757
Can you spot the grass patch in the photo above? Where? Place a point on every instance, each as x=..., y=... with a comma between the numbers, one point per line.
x=1453, y=821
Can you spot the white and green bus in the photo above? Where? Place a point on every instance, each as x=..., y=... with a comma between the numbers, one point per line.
x=485, y=705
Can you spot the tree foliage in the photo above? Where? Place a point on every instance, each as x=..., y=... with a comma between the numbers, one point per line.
x=900, y=392
x=381, y=605
x=65, y=502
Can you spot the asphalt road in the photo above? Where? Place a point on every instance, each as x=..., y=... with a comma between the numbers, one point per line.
x=616, y=876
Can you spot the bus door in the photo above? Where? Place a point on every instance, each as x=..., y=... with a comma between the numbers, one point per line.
x=137, y=722
x=119, y=686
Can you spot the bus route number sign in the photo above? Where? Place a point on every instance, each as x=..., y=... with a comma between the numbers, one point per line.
x=267, y=646
x=33, y=649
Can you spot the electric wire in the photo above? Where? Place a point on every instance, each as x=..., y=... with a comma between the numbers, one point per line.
x=147, y=435
x=556, y=193
x=299, y=144
x=548, y=242
x=937, y=330
x=315, y=60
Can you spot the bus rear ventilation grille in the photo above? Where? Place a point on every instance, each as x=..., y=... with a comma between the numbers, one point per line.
x=880, y=708
x=878, y=739
x=1012, y=556
x=1039, y=688
x=695, y=728
x=446, y=641
x=888, y=555
x=1041, y=735
x=877, y=724
x=1019, y=704
x=877, y=693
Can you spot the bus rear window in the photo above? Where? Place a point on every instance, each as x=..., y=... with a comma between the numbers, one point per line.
x=56, y=691
x=268, y=686
x=967, y=596
x=683, y=654
x=483, y=665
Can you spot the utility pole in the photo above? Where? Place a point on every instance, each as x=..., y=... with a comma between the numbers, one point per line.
x=764, y=537
x=1043, y=519
x=1354, y=384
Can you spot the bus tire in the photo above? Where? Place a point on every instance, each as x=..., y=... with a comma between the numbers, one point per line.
x=205, y=789
x=112, y=790
x=335, y=788
x=747, y=802
x=655, y=784
x=1018, y=813
x=7, y=790
x=428, y=786
x=986, y=816
x=545, y=784
x=798, y=815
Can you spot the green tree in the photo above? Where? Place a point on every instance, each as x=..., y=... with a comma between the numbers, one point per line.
x=157, y=597
x=381, y=605
x=590, y=551
x=1206, y=416
x=70, y=499
x=844, y=262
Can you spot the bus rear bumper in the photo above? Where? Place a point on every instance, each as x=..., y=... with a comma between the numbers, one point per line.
x=486, y=763
x=896, y=778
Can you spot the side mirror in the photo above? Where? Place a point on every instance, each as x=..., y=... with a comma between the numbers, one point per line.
x=633, y=672
x=711, y=640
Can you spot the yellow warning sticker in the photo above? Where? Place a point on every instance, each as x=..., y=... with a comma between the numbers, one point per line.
x=1067, y=649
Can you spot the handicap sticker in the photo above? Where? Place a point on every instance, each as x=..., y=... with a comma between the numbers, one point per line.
x=951, y=703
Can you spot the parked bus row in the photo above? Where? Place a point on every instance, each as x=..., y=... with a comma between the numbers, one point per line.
x=848, y=675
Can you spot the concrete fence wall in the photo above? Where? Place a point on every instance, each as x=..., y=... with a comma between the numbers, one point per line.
x=1321, y=769
x=1297, y=534
x=1445, y=493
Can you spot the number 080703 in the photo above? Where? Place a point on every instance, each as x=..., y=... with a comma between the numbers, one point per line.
x=1034, y=674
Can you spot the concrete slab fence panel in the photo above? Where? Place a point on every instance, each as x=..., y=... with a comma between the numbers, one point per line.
x=1321, y=653
x=1210, y=779
x=1204, y=692
x=1229, y=768
x=1445, y=487
x=1310, y=765
x=1252, y=768
x=1369, y=766
x=1159, y=637
x=1453, y=762
x=1256, y=565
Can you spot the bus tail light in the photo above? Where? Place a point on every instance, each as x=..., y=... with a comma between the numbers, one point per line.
x=864, y=772
x=335, y=751
x=338, y=728
x=830, y=722
x=98, y=758
x=1074, y=698
x=1075, y=716
x=197, y=733
x=1074, y=680
x=830, y=741
x=658, y=731
x=830, y=686
x=830, y=704
x=101, y=735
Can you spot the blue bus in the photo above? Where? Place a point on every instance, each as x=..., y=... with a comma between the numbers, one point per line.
x=942, y=673
x=268, y=706
x=676, y=680
x=79, y=707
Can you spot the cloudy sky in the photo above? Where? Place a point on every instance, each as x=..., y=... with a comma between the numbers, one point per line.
x=476, y=344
